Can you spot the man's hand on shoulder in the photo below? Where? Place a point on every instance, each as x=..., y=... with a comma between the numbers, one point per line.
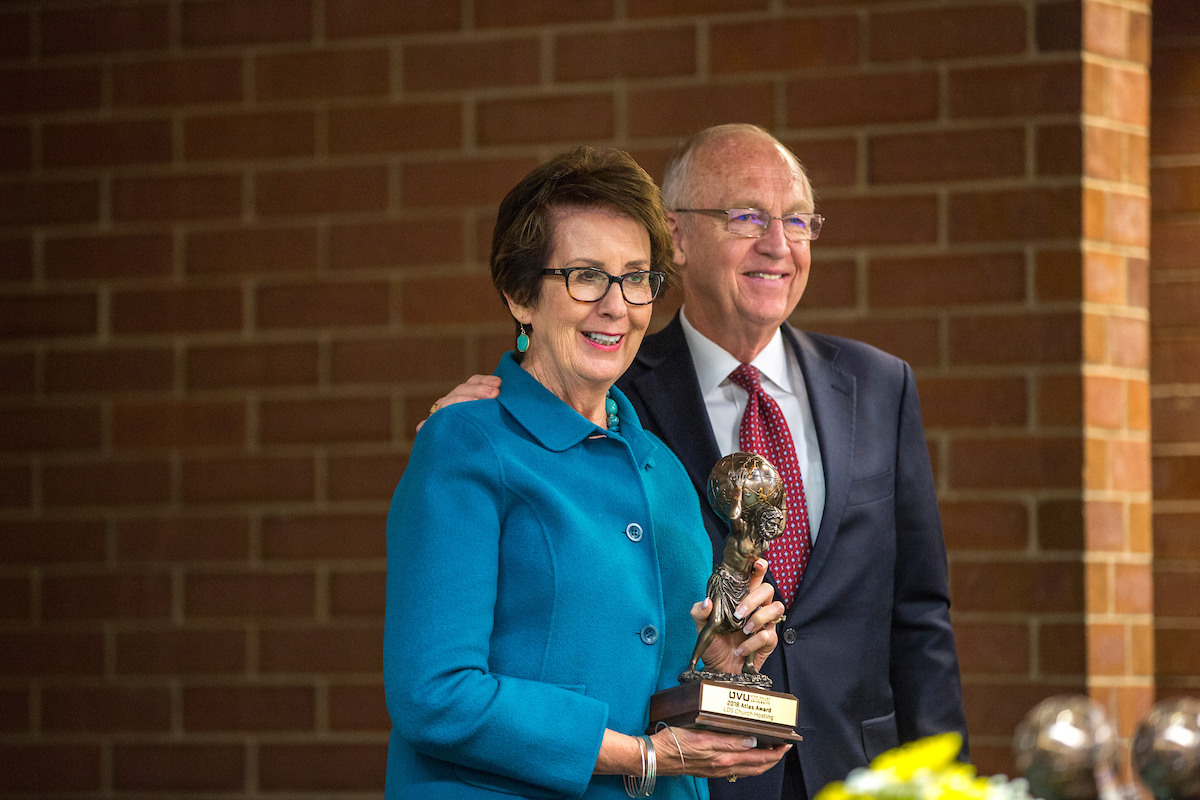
x=476, y=387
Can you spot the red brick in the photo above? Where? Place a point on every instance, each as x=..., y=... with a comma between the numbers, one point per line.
x=126, y=597
x=1175, y=591
x=58, y=653
x=15, y=716
x=16, y=485
x=784, y=44
x=42, y=428
x=178, y=767
x=1104, y=401
x=194, y=197
x=992, y=648
x=1176, y=360
x=322, y=74
x=39, y=768
x=1133, y=589
x=105, y=709
x=348, y=18
x=106, y=483
x=400, y=360
x=110, y=370
x=279, y=134
x=174, y=539
x=41, y=315
x=1015, y=215
x=973, y=402
x=174, y=652
x=1177, y=651
x=1129, y=342
x=1104, y=153
x=177, y=310
x=104, y=30
x=322, y=767
x=941, y=34
x=248, y=480
x=357, y=594
x=1175, y=19
x=1062, y=649
x=33, y=90
x=16, y=604
x=499, y=14
x=460, y=182
x=35, y=203
x=320, y=191
x=1176, y=130
x=542, y=119
x=16, y=147
x=15, y=34
x=1060, y=150
x=1176, y=188
x=333, y=536
x=321, y=650
x=829, y=162
x=1024, y=463
x=1176, y=419
x=637, y=9
x=630, y=54
x=914, y=340
x=458, y=65
x=248, y=708
x=225, y=22
x=950, y=156
x=475, y=300
x=109, y=256
x=16, y=259
x=412, y=242
x=909, y=219
x=179, y=424
x=369, y=477
x=320, y=305
x=225, y=595
x=940, y=281
x=257, y=365
x=1128, y=97
x=678, y=111
x=395, y=127
x=1176, y=477
x=355, y=707
x=1174, y=535
x=1104, y=277
x=862, y=99
x=325, y=420
x=1171, y=71
x=252, y=251
x=1061, y=524
x=18, y=373
x=1059, y=275
x=832, y=284
x=1026, y=587
x=1020, y=90
x=177, y=82
x=1059, y=26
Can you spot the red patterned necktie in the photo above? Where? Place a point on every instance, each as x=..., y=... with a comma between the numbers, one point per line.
x=765, y=432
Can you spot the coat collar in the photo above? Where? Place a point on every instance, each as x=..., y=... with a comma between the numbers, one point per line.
x=557, y=426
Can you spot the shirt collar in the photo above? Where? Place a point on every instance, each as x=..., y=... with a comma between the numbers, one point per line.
x=555, y=424
x=714, y=363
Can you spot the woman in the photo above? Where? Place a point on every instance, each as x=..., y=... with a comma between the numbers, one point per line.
x=544, y=552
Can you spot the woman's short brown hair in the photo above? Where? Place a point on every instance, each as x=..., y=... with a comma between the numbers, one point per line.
x=586, y=177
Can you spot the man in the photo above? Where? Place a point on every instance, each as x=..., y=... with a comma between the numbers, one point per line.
x=867, y=646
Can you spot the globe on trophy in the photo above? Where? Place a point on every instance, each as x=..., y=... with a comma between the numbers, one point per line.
x=1166, y=749
x=1067, y=749
x=747, y=493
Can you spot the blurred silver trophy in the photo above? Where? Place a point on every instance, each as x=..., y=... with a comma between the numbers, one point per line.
x=1166, y=749
x=1067, y=750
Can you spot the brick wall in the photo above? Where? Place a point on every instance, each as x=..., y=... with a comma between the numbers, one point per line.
x=243, y=247
x=1175, y=331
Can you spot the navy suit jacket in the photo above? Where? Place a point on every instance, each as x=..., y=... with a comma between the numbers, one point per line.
x=867, y=647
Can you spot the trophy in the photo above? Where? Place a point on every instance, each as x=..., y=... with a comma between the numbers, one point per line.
x=1067, y=750
x=748, y=494
x=1166, y=749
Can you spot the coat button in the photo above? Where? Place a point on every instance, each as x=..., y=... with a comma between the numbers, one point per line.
x=634, y=532
x=649, y=634
x=789, y=636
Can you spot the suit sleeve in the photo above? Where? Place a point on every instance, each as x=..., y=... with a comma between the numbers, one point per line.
x=443, y=543
x=924, y=663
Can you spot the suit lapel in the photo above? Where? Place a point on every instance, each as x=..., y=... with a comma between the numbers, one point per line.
x=831, y=394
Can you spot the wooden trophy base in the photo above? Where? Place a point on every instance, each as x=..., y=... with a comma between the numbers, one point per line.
x=726, y=707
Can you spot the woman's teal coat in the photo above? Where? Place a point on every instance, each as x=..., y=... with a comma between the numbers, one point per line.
x=540, y=574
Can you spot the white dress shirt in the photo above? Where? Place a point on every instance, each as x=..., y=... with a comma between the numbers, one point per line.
x=782, y=379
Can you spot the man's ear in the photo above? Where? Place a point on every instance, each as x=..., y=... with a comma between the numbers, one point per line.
x=675, y=226
x=523, y=314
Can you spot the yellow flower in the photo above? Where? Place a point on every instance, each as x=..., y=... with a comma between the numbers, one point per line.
x=931, y=753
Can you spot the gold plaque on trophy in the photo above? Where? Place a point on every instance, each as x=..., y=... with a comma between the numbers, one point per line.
x=728, y=708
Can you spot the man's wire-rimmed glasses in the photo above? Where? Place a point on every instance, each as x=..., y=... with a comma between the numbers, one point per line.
x=589, y=285
x=753, y=222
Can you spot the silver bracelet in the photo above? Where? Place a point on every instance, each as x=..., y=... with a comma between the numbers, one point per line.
x=682, y=763
x=644, y=787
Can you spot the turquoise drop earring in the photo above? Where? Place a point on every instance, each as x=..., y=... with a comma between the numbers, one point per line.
x=522, y=341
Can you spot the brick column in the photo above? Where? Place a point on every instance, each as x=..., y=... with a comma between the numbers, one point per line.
x=1116, y=215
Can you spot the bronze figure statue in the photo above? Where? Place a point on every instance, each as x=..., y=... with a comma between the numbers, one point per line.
x=745, y=491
